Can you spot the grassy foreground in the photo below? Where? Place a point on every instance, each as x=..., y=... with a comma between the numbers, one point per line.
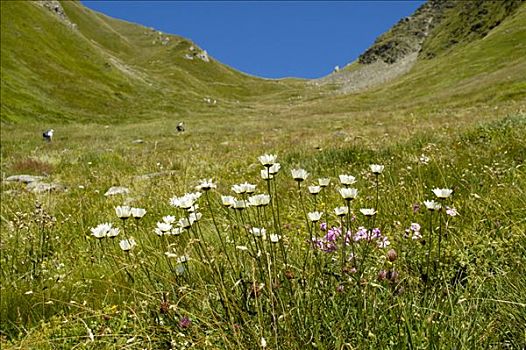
x=406, y=277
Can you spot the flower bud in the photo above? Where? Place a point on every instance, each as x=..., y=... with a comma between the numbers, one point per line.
x=392, y=255
x=382, y=275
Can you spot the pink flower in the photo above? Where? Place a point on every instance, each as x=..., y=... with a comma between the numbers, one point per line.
x=185, y=322
x=451, y=211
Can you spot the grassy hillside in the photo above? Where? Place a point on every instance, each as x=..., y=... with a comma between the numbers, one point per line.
x=481, y=73
x=106, y=70
x=465, y=22
x=110, y=71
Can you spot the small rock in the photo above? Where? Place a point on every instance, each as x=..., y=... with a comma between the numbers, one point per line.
x=116, y=190
x=41, y=187
x=24, y=178
x=203, y=56
x=340, y=134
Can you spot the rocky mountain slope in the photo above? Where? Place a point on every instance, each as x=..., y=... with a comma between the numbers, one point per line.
x=434, y=29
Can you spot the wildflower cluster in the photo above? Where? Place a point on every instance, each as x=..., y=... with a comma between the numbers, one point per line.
x=106, y=230
x=267, y=261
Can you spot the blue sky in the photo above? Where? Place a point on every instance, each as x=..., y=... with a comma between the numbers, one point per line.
x=270, y=39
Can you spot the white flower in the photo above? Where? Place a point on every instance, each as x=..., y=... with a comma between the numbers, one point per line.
x=194, y=195
x=266, y=175
x=258, y=232
x=424, y=159
x=164, y=227
x=432, y=205
x=274, y=169
x=174, y=201
x=127, y=244
x=239, y=189
x=348, y=193
x=383, y=242
x=368, y=211
x=341, y=211
x=416, y=235
x=315, y=216
x=376, y=168
x=240, y=205
x=274, y=238
x=442, y=193
x=250, y=188
x=193, y=208
x=123, y=212
x=185, y=202
x=193, y=217
x=347, y=180
x=324, y=182
x=244, y=188
x=205, y=185
x=112, y=232
x=185, y=223
x=299, y=174
x=263, y=343
x=169, y=219
x=101, y=230
x=183, y=259
x=138, y=212
x=451, y=211
x=314, y=189
x=228, y=201
x=268, y=159
x=259, y=200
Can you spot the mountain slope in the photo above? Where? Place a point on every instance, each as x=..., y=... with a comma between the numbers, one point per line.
x=437, y=29
x=101, y=68
x=71, y=64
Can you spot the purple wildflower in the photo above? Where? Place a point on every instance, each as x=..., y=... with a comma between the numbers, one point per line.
x=323, y=226
x=330, y=247
x=185, y=322
x=333, y=234
x=415, y=230
x=415, y=227
x=376, y=233
x=360, y=234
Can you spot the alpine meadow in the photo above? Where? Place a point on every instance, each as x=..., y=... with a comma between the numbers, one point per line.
x=174, y=202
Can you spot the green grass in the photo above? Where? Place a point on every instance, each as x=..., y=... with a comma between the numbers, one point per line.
x=483, y=164
x=467, y=22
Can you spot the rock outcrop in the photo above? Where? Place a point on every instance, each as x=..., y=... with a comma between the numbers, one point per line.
x=55, y=7
x=407, y=36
